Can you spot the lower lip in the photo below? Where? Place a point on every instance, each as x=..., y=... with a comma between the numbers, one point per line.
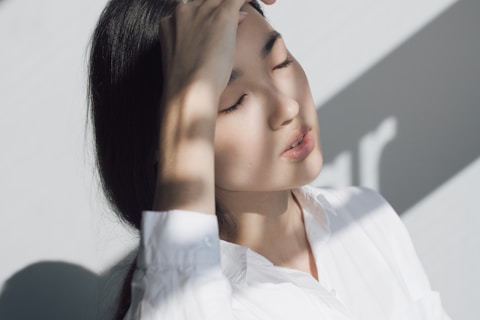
x=301, y=151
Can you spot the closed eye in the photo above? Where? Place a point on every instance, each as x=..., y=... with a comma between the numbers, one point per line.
x=235, y=106
x=284, y=64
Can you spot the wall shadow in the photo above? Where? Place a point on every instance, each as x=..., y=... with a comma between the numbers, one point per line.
x=56, y=290
x=50, y=290
x=111, y=290
x=430, y=85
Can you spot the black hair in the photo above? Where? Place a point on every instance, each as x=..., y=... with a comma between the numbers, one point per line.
x=125, y=90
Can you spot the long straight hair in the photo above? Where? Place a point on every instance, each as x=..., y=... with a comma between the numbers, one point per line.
x=125, y=89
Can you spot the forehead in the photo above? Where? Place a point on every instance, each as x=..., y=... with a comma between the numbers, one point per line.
x=252, y=32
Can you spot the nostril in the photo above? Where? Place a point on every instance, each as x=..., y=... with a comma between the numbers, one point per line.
x=286, y=122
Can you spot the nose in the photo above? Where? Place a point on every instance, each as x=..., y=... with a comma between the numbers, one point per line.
x=283, y=109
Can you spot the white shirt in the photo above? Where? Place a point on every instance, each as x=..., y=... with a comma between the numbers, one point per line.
x=367, y=267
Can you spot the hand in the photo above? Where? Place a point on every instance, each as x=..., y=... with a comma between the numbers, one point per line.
x=198, y=43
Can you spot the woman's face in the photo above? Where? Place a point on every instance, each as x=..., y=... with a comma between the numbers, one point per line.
x=267, y=135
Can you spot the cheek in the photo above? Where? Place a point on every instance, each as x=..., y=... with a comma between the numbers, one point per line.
x=241, y=151
x=302, y=90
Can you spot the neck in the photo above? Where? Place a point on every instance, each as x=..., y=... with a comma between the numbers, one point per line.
x=270, y=223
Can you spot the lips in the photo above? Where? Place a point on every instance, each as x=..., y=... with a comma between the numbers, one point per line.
x=299, y=146
x=297, y=138
x=296, y=143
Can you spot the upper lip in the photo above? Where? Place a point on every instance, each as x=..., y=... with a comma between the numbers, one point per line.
x=296, y=136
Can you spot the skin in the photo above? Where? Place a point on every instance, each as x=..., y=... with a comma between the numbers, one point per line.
x=238, y=147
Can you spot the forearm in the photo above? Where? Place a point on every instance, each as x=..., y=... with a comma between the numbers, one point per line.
x=185, y=178
x=198, y=56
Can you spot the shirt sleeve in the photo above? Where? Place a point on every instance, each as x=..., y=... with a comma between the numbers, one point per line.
x=178, y=275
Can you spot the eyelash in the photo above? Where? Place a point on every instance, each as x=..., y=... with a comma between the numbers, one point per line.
x=235, y=106
x=284, y=64
x=231, y=109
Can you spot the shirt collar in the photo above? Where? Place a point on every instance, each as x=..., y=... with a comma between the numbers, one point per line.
x=236, y=259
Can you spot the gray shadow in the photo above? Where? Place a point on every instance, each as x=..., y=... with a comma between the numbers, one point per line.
x=59, y=291
x=113, y=290
x=431, y=85
x=50, y=290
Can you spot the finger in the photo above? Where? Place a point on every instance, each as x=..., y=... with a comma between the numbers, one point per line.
x=242, y=16
x=225, y=3
x=208, y=5
x=196, y=3
x=265, y=1
x=234, y=5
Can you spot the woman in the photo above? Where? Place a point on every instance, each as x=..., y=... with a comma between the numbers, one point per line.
x=204, y=118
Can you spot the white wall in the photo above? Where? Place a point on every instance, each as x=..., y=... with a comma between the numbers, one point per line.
x=53, y=215
x=444, y=227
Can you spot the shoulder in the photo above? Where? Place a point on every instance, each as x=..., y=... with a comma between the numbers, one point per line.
x=356, y=201
x=352, y=195
x=361, y=218
x=370, y=220
x=360, y=207
x=368, y=224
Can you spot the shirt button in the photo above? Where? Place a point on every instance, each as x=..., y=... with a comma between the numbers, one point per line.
x=208, y=241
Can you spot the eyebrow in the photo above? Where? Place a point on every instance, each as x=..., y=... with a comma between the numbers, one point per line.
x=266, y=49
x=234, y=76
